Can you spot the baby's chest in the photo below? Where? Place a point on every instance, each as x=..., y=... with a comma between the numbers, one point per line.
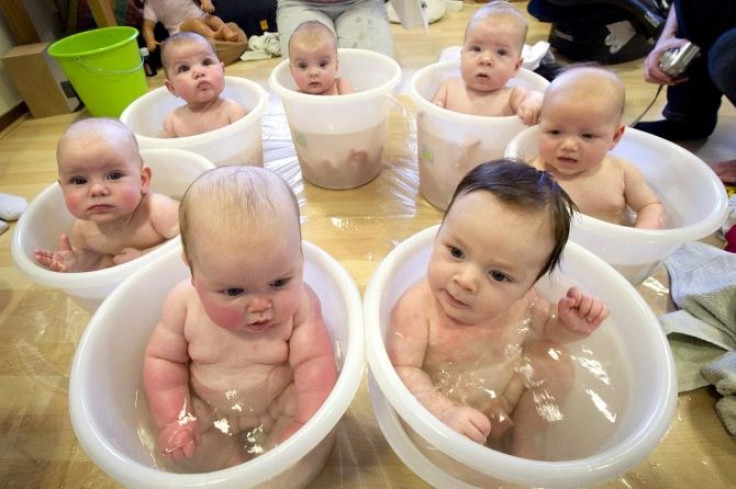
x=597, y=196
x=138, y=235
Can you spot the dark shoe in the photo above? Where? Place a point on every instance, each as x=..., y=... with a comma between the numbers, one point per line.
x=677, y=131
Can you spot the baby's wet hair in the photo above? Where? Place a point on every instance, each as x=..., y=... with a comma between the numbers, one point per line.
x=523, y=187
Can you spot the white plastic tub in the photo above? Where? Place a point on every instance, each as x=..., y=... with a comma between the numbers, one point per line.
x=449, y=144
x=615, y=415
x=239, y=143
x=339, y=138
x=47, y=218
x=695, y=200
x=107, y=370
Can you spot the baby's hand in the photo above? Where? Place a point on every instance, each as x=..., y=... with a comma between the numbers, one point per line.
x=469, y=422
x=581, y=313
x=206, y=6
x=528, y=104
x=62, y=260
x=126, y=255
x=179, y=440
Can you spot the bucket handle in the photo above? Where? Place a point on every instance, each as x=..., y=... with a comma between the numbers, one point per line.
x=94, y=69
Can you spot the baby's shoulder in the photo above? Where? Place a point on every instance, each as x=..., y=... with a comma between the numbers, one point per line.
x=415, y=302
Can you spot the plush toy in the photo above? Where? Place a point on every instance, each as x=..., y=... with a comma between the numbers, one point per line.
x=184, y=15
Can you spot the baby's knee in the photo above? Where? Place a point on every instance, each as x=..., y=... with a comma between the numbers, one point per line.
x=547, y=362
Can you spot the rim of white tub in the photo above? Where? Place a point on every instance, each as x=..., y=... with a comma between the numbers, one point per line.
x=96, y=278
x=605, y=465
x=362, y=95
x=682, y=234
x=427, y=106
x=207, y=137
x=265, y=466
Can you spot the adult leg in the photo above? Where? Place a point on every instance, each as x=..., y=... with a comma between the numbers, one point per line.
x=291, y=13
x=722, y=64
x=365, y=25
x=692, y=107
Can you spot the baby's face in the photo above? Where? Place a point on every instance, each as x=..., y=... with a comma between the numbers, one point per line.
x=490, y=56
x=313, y=67
x=102, y=180
x=194, y=73
x=576, y=135
x=249, y=284
x=486, y=257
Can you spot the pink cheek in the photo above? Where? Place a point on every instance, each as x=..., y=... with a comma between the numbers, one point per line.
x=227, y=317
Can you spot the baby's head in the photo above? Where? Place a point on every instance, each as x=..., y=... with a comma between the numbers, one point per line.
x=313, y=57
x=506, y=226
x=100, y=170
x=580, y=119
x=492, y=48
x=242, y=241
x=193, y=70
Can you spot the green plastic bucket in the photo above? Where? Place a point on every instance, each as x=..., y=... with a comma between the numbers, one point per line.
x=104, y=66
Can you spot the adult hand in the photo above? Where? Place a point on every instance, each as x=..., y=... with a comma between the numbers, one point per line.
x=652, y=73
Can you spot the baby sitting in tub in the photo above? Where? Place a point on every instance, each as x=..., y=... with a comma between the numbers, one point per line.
x=473, y=341
x=106, y=187
x=241, y=349
x=313, y=60
x=490, y=57
x=580, y=122
x=194, y=73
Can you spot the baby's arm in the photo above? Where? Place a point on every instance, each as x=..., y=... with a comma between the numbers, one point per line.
x=312, y=359
x=166, y=379
x=440, y=97
x=69, y=258
x=344, y=87
x=407, y=346
x=575, y=317
x=527, y=104
x=650, y=212
x=235, y=111
x=164, y=217
x=148, y=36
x=169, y=130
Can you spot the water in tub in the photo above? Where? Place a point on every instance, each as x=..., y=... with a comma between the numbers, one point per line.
x=249, y=442
x=340, y=161
x=579, y=423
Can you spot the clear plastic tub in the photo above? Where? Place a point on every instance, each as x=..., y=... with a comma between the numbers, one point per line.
x=106, y=377
x=47, y=218
x=449, y=144
x=339, y=139
x=239, y=143
x=622, y=402
x=695, y=200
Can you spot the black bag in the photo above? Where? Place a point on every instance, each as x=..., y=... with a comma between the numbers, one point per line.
x=606, y=31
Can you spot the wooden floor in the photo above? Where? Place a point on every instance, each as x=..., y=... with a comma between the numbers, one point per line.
x=39, y=327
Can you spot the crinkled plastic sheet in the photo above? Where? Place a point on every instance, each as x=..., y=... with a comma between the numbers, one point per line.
x=40, y=339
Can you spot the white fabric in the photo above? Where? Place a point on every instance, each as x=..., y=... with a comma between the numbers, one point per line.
x=11, y=207
x=171, y=13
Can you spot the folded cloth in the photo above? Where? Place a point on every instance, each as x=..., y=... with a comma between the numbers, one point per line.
x=11, y=207
x=703, y=286
x=722, y=374
x=265, y=46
